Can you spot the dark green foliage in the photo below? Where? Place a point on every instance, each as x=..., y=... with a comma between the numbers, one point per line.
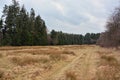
x=1, y=23
x=61, y=38
x=21, y=28
x=40, y=32
x=54, y=37
x=91, y=38
x=87, y=39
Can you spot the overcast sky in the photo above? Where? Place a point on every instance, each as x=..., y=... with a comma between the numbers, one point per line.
x=71, y=16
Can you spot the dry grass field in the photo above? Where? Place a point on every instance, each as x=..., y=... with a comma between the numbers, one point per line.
x=59, y=63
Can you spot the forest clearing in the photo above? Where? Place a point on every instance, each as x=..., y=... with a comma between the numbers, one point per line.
x=59, y=40
x=85, y=62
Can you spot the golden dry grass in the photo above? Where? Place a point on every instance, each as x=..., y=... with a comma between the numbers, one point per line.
x=59, y=63
x=109, y=66
x=23, y=63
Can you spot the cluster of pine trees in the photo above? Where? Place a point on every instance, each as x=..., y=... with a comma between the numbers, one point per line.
x=60, y=38
x=19, y=27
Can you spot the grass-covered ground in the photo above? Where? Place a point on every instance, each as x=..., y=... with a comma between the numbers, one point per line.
x=59, y=63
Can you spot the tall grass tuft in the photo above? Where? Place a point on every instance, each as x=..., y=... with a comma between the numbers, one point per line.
x=57, y=57
x=24, y=60
x=1, y=55
x=70, y=75
x=109, y=68
x=1, y=74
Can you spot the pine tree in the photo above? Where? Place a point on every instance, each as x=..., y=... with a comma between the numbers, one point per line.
x=87, y=39
x=40, y=34
x=1, y=26
x=10, y=13
x=32, y=26
x=23, y=27
x=54, y=37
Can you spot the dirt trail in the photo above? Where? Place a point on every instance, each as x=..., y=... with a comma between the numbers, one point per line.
x=83, y=66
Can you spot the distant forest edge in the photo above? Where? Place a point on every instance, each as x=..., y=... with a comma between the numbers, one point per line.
x=19, y=27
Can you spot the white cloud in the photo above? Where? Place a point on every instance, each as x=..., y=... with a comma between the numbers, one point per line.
x=72, y=16
x=59, y=7
x=97, y=3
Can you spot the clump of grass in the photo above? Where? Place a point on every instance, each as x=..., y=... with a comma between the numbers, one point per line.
x=15, y=60
x=24, y=60
x=99, y=52
x=56, y=57
x=5, y=75
x=109, y=60
x=35, y=53
x=44, y=60
x=38, y=52
x=1, y=55
x=103, y=52
x=47, y=66
x=70, y=76
x=109, y=68
x=108, y=73
x=1, y=74
x=68, y=52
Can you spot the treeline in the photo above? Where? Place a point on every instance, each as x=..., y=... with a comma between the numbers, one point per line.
x=111, y=37
x=19, y=27
x=60, y=38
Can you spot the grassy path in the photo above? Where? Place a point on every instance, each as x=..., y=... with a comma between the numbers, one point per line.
x=83, y=67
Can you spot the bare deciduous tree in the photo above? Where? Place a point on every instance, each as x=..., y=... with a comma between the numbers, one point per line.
x=111, y=37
